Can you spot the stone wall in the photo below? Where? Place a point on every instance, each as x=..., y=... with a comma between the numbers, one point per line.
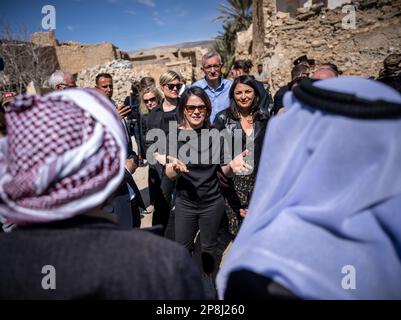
x=74, y=56
x=320, y=34
x=124, y=72
x=44, y=39
x=87, y=60
x=156, y=61
x=123, y=75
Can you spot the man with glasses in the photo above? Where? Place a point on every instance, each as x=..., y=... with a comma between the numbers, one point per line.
x=61, y=80
x=215, y=86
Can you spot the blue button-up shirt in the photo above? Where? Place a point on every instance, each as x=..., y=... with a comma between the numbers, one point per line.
x=219, y=97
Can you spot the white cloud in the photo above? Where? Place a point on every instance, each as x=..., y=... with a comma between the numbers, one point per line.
x=70, y=28
x=149, y=3
x=130, y=12
x=177, y=11
x=157, y=19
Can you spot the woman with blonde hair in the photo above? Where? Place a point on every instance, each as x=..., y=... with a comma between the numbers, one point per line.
x=161, y=188
x=151, y=97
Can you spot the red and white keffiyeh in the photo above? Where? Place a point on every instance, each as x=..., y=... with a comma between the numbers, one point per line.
x=64, y=154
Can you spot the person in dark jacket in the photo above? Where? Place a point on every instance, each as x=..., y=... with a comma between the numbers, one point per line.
x=127, y=197
x=150, y=97
x=391, y=72
x=160, y=118
x=133, y=119
x=245, y=115
x=56, y=172
x=299, y=72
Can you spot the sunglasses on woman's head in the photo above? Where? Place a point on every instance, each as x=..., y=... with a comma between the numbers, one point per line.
x=191, y=109
x=171, y=86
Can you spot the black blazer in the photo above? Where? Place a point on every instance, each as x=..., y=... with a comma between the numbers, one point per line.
x=154, y=121
x=120, y=204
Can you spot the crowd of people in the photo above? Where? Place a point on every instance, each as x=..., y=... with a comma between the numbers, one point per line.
x=302, y=182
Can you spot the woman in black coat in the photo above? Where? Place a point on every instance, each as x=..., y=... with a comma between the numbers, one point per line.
x=247, y=117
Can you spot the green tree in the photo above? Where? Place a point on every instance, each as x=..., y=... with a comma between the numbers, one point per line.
x=236, y=16
x=237, y=13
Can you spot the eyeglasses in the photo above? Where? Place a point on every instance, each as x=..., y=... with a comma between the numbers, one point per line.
x=171, y=86
x=191, y=109
x=149, y=100
x=215, y=66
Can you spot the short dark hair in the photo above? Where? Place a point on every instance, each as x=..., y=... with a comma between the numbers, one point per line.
x=200, y=93
x=147, y=82
x=333, y=67
x=103, y=75
x=245, y=65
x=135, y=88
x=298, y=70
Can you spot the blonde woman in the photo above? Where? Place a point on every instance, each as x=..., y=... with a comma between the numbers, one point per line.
x=161, y=188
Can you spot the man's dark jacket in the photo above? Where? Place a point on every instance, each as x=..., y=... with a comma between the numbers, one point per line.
x=94, y=259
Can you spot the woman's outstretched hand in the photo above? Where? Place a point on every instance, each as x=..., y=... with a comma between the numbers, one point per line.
x=161, y=158
x=238, y=164
x=177, y=165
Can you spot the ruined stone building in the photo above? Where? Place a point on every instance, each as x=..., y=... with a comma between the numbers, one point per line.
x=86, y=61
x=277, y=37
x=74, y=56
x=292, y=5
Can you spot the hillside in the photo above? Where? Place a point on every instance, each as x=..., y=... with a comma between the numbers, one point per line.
x=202, y=44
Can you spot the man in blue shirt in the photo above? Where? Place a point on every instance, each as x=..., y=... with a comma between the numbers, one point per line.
x=214, y=85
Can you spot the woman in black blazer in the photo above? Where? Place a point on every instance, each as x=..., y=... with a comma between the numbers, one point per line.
x=245, y=115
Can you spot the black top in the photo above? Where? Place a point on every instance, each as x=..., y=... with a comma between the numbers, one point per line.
x=201, y=182
x=266, y=100
x=95, y=259
x=157, y=120
x=166, y=118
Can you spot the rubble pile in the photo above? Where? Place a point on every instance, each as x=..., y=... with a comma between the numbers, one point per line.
x=122, y=73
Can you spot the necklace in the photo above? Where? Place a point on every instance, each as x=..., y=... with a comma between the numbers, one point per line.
x=248, y=118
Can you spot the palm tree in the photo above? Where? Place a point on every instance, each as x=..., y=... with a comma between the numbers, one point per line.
x=238, y=13
x=236, y=16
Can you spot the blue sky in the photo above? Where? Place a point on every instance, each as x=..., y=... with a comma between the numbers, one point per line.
x=128, y=24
